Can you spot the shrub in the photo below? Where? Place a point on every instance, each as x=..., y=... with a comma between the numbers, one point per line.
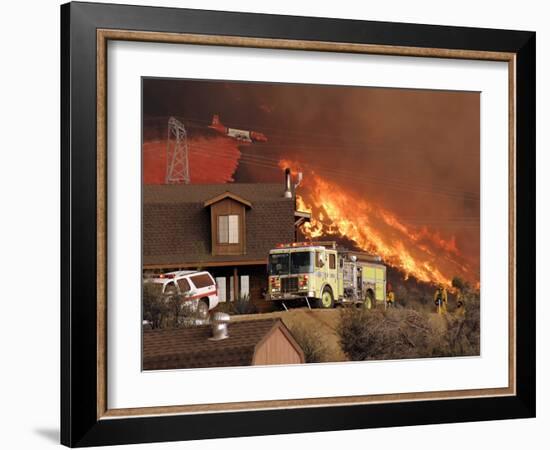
x=166, y=310
x=224, y=307
x=311, y=341
x=413, y=331
x=401, y=296
x=463, y=332
x=356, y=334
x=458, y=283
x=155, y=309
x=241, y=305
x=392, y=334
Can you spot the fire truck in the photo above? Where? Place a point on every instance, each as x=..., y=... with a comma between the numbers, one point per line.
x=323, y=275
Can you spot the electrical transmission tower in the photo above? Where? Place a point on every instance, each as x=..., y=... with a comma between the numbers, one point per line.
x=177, y=153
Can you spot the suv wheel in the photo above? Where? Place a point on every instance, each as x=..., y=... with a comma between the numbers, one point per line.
x=202, y=308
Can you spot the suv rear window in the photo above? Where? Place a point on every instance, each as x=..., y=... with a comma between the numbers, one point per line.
x=202, y=281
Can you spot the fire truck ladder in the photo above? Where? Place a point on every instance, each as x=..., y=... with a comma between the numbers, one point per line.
x=177, y=153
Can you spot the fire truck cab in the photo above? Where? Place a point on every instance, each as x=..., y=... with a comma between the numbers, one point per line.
x=324, y=275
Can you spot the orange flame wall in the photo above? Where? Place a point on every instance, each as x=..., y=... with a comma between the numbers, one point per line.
x=416, y=251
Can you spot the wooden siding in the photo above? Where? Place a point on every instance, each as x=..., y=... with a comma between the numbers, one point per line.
x=225, y=207
x=258, y=284
x=277, y=349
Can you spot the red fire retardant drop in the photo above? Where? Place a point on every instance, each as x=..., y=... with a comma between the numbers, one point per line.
x=211, y=160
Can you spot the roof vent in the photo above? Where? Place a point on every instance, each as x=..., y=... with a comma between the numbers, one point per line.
x=219, y=326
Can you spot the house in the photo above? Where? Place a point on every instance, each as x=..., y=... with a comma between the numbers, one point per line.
x=249, y=342
x=227, y=229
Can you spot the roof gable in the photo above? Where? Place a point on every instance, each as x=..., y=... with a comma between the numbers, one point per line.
x=227, y=194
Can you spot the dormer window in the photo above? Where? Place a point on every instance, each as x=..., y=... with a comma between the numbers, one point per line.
x=228, y=223
x=228, y=229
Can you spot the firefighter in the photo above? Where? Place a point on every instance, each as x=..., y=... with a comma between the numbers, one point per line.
x=440, y=299
x=390, y=296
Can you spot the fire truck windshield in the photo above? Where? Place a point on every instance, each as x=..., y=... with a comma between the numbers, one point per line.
x=299, y=262
x=278, y=264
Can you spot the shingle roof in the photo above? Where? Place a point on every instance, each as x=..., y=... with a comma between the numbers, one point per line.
x=176, y=224
x=197, y=193
x=186, y=348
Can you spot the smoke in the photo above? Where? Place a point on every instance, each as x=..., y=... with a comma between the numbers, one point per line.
x=414, y=153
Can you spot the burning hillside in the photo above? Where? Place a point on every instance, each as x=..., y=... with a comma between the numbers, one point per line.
x=341, y=214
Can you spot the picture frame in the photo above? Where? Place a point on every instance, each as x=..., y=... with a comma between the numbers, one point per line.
x=86, y=418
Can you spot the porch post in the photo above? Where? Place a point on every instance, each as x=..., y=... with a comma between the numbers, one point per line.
x=235, y=284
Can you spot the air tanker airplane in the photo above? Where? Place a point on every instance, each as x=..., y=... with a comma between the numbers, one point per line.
x=240, y=135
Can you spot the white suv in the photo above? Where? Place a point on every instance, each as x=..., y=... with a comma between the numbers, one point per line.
x=199, y=289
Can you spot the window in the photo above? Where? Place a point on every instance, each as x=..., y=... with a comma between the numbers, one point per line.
x=202, y=281
x=245, y=287
x=228, y=229
x=279, y=263
x=222, y=295
x=331, y=261
x=319, y=256
x=301, y=262
x=183, y=285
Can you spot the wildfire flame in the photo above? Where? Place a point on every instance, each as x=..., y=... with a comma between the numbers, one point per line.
x=417, y=252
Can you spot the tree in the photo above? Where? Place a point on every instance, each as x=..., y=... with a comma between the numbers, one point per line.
x=155, y=308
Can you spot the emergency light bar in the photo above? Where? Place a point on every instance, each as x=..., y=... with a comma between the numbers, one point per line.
x=167, y=275
x=308, y=244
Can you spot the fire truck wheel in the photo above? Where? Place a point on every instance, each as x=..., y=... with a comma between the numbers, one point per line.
x=369, y=302
x=327, y=300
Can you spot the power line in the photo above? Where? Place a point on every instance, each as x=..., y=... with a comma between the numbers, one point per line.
x=272, y=163
x=217, y=151
x=294, y=134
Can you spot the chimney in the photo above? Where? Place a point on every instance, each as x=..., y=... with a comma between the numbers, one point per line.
x=288, y=189
x=219, y=326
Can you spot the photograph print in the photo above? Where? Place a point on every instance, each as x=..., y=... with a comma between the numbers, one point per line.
x=301, y=223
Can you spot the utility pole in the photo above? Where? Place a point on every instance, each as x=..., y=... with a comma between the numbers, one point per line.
x=177, y=153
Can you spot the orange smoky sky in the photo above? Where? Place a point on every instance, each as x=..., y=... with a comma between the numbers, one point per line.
x=414, y=153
